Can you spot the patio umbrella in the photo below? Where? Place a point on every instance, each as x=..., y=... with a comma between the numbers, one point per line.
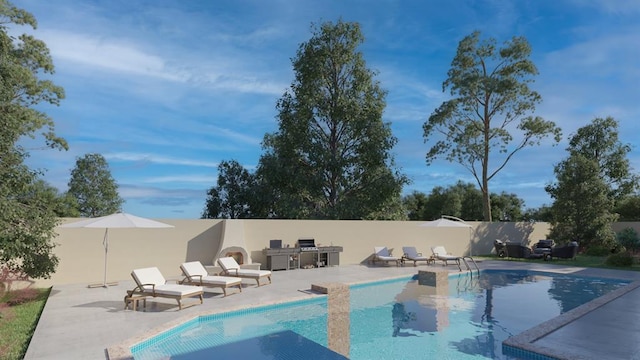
x=445, y=222
x=442, y=222
x=117, y=220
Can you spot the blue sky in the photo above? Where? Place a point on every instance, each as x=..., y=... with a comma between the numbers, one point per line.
x=165, y=90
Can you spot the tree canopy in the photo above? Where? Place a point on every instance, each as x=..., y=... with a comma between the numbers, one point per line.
x=93, y=187
x=331, y=156
x=462, y=200
x=233, y=195
x=590, y=182
x=491, y=99
x=27, y=219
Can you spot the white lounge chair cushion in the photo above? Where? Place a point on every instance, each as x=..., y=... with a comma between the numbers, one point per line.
x=231, y=267
x=251, y=273
x=152, y=279
x=194, y=268
x=177, y=290
x=383, y=253
x=197, y=272
x=412, y=253
x=150, y=275
x=219, y=280
x=440, y=253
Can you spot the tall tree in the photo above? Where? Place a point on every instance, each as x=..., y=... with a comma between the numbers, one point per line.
x=27, y=220
x=93, y=187
x=628, y=208
x=581, y=208
x=595, y=176
x=331, y=157
x=491, y=99
x=599, y=142
x=232, y=197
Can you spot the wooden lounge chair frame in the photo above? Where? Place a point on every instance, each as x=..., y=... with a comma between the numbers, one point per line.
x=440, y=253
x=149, y=289
x=202, y=278
x=230, y=267
x=411, y=254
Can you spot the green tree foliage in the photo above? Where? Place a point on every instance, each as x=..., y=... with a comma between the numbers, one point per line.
x=599, y=142
x=628, y=208
x=462, y=200
x=581, y=208
x=543, y=213
x=491, y=99
x=589, y=183
x=331, y=156
x=233, y=195
x=93, y=187
x=63, y=205
x=415, y=205
x=27, y=220
x=629, y=238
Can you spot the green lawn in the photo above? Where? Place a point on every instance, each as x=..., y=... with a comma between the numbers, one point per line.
x=17, y=324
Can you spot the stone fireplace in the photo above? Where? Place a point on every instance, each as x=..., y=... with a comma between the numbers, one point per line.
x=236, y=252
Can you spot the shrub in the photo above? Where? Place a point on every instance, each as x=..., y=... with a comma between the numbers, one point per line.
x=623, y=259
x=629, y=239
x=598, y=251
x=21, y=296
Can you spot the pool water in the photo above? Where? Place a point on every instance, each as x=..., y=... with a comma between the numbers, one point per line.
x=391, y=319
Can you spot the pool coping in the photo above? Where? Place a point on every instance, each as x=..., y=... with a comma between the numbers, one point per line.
x=523, y=343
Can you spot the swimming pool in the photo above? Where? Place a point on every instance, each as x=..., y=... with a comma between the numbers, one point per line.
x=390, y=319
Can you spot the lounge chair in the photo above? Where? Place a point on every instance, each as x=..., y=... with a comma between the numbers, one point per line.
x=440, y=253
x=410, y=253
x=150, y=282
x=231, y=268
x=196, y=274
x=383, y=254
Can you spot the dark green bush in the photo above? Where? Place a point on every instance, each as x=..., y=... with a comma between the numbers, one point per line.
x=597, y=251
x=623, y=259
x=629, y=239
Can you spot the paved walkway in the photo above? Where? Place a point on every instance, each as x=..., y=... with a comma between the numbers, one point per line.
x=89, y=323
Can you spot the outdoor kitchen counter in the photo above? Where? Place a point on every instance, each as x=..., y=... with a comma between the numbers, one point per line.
x=294, y=258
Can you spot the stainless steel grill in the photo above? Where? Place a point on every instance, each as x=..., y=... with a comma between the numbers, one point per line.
x=307, y=245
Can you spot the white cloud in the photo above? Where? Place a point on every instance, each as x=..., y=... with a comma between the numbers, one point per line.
x=197, y=179
x=157, y=159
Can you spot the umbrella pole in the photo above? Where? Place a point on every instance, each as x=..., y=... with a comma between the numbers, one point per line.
x=105, y=243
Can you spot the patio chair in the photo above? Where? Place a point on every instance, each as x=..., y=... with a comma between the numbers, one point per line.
x=381, y=253
x=440, y=253
x=565, y=252
x=516, y=250
x=410, y=253
x=196, y=274
x=231, y=268
x=150, y=282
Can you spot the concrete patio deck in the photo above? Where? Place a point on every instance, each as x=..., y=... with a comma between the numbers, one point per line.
x=91, y=323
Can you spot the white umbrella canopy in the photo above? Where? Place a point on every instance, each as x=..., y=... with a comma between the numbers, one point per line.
x=445, y=223
x=117, y=220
